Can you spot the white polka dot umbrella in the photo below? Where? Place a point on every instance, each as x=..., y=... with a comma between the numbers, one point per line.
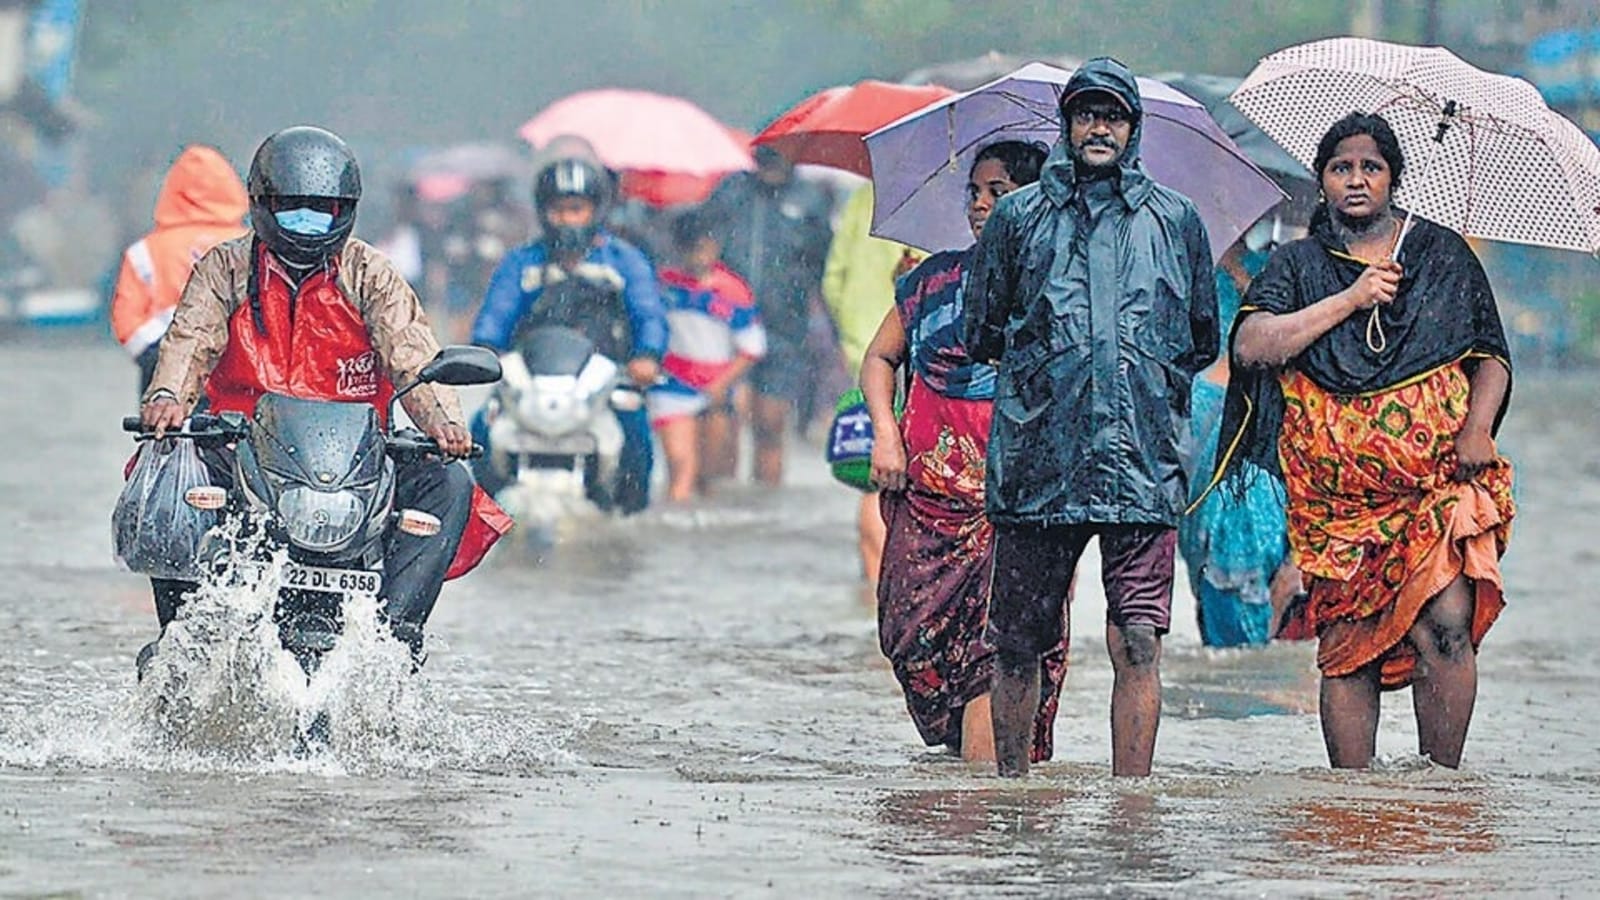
x=1484, y=155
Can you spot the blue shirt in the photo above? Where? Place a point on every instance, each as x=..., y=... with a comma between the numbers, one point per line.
x=519, y=281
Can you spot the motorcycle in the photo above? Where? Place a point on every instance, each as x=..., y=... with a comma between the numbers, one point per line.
x=314, y=482
x=554, y=438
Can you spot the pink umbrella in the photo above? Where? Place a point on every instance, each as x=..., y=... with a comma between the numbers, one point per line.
x=663, y=189
x=641, y=131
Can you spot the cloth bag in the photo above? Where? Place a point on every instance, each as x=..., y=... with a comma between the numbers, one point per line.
x=849, y=447
x=154, y=529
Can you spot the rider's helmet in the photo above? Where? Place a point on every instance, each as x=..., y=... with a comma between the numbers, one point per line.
x=304, y=184
x=571, y=177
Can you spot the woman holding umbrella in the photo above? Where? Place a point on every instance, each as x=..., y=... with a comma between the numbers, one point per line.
x=933, y=592
x=1378, y=383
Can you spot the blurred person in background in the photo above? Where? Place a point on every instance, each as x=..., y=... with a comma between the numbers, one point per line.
x=580, y=276
x=483, y=226
x=715, y=337
x=858, y=285
x=201, y=203
x=1235, y=543
x=403, y=243
x=774, y=232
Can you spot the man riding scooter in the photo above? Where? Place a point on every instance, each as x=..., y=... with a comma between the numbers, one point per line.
x=579, y=276
x=298, y=307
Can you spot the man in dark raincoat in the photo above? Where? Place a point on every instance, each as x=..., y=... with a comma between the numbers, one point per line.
x=1093, y=292
x=774, y=232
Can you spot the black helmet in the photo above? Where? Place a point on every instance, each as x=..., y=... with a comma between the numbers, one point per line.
x=571, y=178
x=303, y=167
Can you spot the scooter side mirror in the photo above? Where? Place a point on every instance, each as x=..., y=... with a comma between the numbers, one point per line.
x=462, y=365
x=456, y=365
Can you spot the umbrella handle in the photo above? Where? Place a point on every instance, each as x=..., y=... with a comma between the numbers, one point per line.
x=1447, y=117
x=1377, y=341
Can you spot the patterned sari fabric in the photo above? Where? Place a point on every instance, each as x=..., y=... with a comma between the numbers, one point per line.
x=1375, y=518
x=933, y=594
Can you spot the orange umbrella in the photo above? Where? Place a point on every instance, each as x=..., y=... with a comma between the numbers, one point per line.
x=826, y=128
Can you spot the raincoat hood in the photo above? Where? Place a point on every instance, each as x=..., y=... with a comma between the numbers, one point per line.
x=1098, y=302
x=1058, y=179
x=201, y=188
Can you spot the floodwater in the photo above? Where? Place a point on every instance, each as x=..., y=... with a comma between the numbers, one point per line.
x=692, y=704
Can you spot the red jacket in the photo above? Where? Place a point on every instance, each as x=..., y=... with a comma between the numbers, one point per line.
x=313, y=343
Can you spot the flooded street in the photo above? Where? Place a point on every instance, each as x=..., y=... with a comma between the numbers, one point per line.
x=692, y=703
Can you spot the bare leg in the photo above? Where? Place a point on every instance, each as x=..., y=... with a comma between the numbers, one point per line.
x=1446, y=686
x=719, y=447
x=873, y=532
x=767, y=423
x=977, y=731
x=679, y=440
x=1015, y=702
x=1286, y=583
x=1349, y=708
x=1135, y=696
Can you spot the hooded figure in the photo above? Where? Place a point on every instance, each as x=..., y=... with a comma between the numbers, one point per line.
x=201, y=204
x=1093, y=292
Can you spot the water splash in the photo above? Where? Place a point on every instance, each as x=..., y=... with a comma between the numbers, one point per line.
x=221, y=694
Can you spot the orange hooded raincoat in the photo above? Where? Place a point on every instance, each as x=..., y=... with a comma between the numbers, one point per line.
x=202, y=203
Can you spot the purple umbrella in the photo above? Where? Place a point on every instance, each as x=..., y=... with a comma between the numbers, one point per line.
x=920, y=163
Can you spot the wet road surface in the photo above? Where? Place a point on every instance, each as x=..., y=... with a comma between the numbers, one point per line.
x=692, y=703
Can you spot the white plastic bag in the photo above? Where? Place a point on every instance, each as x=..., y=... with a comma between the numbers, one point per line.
x=155, y=530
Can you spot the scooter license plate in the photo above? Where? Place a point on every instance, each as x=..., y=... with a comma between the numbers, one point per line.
x=333, y=581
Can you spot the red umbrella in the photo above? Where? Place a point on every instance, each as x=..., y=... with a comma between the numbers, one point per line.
x=638, y=130
x=826, y=128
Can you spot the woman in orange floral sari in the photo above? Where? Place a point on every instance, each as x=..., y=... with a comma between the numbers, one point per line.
x=1377, y=384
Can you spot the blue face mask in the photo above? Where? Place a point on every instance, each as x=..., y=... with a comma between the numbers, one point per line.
x=304, y=221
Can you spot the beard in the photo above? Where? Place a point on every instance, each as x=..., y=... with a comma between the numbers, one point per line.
x=1088, y=169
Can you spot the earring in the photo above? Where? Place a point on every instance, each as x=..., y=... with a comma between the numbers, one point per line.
x=1322, y=196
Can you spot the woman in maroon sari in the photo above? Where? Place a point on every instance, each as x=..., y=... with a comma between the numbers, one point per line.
x=933, y=594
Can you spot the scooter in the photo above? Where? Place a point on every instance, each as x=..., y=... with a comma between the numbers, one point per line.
x=314, y=482
x=554, y=437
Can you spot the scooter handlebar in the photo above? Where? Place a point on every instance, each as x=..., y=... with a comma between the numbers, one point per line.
x=199, y=427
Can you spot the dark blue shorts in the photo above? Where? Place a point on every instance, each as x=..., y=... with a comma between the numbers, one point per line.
x=1033, y=569
x=783, y=372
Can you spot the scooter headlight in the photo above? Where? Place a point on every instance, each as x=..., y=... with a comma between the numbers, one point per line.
x=321, y=521
x=553, y=407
